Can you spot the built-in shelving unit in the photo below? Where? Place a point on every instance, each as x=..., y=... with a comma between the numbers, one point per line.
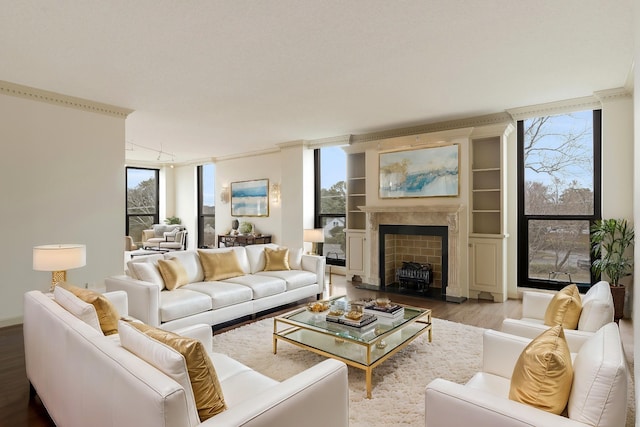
x=486, y=186
x=356, y=219
x=356, y=190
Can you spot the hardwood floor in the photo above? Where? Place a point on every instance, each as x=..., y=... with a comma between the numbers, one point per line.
x=17, y=410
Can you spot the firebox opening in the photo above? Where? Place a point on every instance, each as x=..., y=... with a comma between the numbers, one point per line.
x=413, y=259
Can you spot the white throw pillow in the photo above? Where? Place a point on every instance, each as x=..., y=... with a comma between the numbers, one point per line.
x=74, y=305
x=191, y=263
x=295, y=259
x=164, y=358
x=147, y=272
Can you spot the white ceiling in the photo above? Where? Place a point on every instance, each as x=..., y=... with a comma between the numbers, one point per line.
x=216, y=78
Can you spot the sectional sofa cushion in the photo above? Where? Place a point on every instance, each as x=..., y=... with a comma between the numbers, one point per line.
x=276, y=259
x=74, y=305
x=147, y=272
x=205, y=385
x=191, y=263
x=182, y=302
x=564, y=308
x=261, y=286
x=543, y=374
x=173, y=273
x=107, y=314
x=294, y=279
x=222, y=294
x=220, y=265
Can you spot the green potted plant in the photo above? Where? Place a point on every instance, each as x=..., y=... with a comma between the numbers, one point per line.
x=610, y=239
x=172, y=220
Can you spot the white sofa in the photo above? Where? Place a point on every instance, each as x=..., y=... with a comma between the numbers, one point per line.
x=597, y=311
x=84, y=378
x=598, y=394
x=221, y=301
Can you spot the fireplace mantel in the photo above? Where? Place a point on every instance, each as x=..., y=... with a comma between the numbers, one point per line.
x=447, y=215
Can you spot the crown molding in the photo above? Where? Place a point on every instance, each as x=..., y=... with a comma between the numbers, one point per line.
x=612, y=94
x=489, y=119
x=246, y=154
x=26, y=92
x=329, y=141
x=291, y=144
x=553, y=108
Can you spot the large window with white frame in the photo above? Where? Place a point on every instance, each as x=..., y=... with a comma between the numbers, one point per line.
x=331, y=174
x=559, y=183
x=143, y=202
x=206, y=206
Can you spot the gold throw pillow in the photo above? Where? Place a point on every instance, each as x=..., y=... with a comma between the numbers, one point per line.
x=107, y=314
x=543, y=374
x=220, y=265
x=276, y=259
x=173, y=273
x=207, y=391
x=564, y=308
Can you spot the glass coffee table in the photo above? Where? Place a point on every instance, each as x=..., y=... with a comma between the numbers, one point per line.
x=362, y=347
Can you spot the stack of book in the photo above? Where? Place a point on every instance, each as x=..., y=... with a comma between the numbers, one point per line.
x=366, y=319
x=389, y=311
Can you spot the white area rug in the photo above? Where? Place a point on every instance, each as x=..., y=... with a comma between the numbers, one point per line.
x=398, y=384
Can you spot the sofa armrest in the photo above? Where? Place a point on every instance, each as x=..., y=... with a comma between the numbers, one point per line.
x=448, y=404
x=144, y=297
x=120, y=302
x=500, y=352
x=534, y=304
x=148, y=234
x=315, y=264
x=316, y=397
x=201, y=332
x=523, y=328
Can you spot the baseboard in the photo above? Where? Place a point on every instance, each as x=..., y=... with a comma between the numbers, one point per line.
x=12, y=321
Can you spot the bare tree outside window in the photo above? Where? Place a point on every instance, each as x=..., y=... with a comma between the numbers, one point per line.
x=142, y=201
x=559, y=198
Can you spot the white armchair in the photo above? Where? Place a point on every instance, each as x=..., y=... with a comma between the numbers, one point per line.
x=172, y=237
x=598, y=394
x=597, y=311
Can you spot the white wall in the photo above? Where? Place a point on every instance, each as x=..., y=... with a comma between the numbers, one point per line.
x=61, y=181
x=184, y=191
x=636, y=189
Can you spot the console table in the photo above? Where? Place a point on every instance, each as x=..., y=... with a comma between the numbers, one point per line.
x=242, y=240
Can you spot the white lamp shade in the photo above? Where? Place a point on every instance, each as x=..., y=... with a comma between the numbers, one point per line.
x=59, y=257
x=314, y=235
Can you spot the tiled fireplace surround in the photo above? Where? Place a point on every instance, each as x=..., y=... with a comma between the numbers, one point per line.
x=439, y=215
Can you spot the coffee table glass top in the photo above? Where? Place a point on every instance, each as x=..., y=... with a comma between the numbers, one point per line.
x=365, y=334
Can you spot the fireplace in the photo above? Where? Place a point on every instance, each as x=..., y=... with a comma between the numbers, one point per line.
x=442, y=221
x=413, y=259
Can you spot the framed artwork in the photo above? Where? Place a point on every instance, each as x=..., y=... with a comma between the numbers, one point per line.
x=250, y=198
x=422, y=172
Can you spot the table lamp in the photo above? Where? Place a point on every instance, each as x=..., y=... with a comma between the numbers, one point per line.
x=58, y=259
x=315, y=236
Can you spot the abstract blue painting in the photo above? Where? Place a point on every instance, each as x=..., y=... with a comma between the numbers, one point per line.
x=250, y=198
x=424, y=172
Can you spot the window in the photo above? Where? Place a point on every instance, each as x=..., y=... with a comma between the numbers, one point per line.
x=558, y=198
x=331, y=173
x=206, y=206
x=143, y=208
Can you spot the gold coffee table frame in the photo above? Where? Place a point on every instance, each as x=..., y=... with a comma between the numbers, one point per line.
x=363, y=348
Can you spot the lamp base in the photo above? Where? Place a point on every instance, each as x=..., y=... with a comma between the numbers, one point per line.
x=57, y=277
x=317, y=248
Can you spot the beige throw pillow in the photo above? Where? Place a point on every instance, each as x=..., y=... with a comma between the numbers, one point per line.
x=107, y=314
x=173, y=273
x=564, y=308
x=220, y=265
x=543, y=374
x=207, y=391
x=276, y=259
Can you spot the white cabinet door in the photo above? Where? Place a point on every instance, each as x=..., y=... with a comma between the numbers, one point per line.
x=356, y=257
x=486, y=268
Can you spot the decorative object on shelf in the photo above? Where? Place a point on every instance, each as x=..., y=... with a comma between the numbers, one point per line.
x=224, y=195
x=235, y=224
x=610, y=239
x=57, y=259
x=172, y=220
x=424, y=172
x=315, y=236
x=245, y=228
x=275, y=193
x=250, y=198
